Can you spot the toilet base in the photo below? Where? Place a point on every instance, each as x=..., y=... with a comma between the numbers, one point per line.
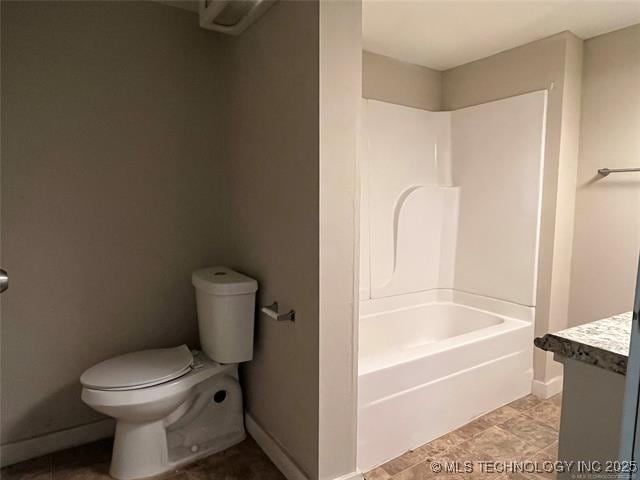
x=138, y=451
x=218, y=445
x=210, y=421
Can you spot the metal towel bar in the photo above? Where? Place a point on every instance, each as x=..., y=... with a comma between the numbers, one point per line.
x=606, y=171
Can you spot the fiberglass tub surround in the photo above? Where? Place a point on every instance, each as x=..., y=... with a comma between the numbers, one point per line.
x=449, y=239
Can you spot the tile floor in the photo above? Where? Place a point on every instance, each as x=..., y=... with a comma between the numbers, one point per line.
x=244, y=461
x=524, y=430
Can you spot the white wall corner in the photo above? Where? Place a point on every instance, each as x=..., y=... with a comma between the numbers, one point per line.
x=52, y=442
x=340, y=84
x=547, y=389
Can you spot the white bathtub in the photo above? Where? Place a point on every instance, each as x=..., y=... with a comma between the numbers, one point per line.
x=430, y=362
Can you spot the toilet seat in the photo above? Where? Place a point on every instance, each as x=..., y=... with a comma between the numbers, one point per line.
x=138, y=370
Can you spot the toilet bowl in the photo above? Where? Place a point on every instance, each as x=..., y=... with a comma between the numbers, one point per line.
x=164, y=425
x=173, y=405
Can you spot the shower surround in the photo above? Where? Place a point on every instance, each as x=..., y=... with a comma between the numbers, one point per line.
x=449, y=245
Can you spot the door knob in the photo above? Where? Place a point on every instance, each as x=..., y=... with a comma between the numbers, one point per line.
x=4, y=280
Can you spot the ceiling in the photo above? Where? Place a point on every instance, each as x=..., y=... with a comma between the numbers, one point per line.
x=442, y=34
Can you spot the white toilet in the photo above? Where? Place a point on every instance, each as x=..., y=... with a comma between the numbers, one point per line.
x=173, y=405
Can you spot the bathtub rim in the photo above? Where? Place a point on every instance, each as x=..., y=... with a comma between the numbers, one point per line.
x=496, y=306
x=513, y=316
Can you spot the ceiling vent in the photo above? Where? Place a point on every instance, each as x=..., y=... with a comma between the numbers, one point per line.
x=231, y=16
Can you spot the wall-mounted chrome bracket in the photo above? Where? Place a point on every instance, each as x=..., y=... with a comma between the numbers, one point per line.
x=272, y=311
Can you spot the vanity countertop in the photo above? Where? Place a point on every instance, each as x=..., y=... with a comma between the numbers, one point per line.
x=603, y=343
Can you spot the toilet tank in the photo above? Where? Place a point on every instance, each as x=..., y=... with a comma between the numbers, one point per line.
x=226, y=308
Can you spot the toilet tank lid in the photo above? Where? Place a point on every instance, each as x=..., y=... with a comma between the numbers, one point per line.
x=223, y=281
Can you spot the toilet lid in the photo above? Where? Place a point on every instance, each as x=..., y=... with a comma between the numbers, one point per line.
x=139, y=369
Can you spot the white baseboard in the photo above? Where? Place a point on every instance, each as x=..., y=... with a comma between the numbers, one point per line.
x=351, y=476
x=547, y=389
x=279, y=456
x=51, y=442
x=274, y=450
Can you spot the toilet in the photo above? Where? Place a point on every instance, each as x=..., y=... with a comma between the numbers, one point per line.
x=175, y=405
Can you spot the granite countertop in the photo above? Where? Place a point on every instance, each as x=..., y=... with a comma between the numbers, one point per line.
x=603, y=343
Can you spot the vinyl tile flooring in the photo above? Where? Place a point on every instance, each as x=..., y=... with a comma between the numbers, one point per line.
x=522, y=433
x=526, y=429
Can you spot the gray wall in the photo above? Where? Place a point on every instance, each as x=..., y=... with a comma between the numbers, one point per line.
x=390, y=80
x=274, y=179
x=607, y=221
x=113, y=191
